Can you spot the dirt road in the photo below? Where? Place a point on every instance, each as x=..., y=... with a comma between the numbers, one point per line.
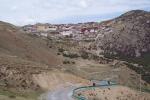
x=64, y=93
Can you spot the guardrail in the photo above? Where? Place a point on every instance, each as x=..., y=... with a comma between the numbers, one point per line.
x=76, y=96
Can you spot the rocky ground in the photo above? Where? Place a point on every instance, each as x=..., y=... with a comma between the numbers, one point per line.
x=114, y=93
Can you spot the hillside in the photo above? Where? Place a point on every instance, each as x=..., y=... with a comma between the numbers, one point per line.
x=125, y=38
x=21, y=57
x=16, y=43
x=28, y=66
x=111, y=50
x=127, y=35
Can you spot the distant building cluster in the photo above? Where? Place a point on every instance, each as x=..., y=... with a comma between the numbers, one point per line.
x=78, y=31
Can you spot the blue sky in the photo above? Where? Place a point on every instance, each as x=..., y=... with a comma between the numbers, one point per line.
x=21, y=12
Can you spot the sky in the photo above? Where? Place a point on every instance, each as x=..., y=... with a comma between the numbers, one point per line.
x=23, y=12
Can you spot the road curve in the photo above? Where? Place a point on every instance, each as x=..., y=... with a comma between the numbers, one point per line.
x=60, y=94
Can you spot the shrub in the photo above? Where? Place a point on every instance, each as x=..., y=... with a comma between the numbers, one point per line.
x=12, y=96
x=70, y=54
x=84, y=55
x=61, y=50
x=66, y=62
x=50, y=46
x=73, y=62
x=58, y=53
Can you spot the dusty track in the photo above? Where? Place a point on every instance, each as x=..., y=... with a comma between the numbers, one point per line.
x=61, y=94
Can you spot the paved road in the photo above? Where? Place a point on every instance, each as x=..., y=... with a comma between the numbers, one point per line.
x=60, y=94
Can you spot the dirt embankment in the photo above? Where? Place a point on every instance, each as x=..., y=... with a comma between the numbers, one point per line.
x=55, y=79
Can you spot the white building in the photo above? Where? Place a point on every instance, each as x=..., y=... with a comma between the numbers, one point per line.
x=66, y=32
x=44, y=34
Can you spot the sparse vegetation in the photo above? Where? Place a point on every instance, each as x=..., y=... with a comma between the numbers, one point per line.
x=70, y=55
x=123, y=93
x=16, y=95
